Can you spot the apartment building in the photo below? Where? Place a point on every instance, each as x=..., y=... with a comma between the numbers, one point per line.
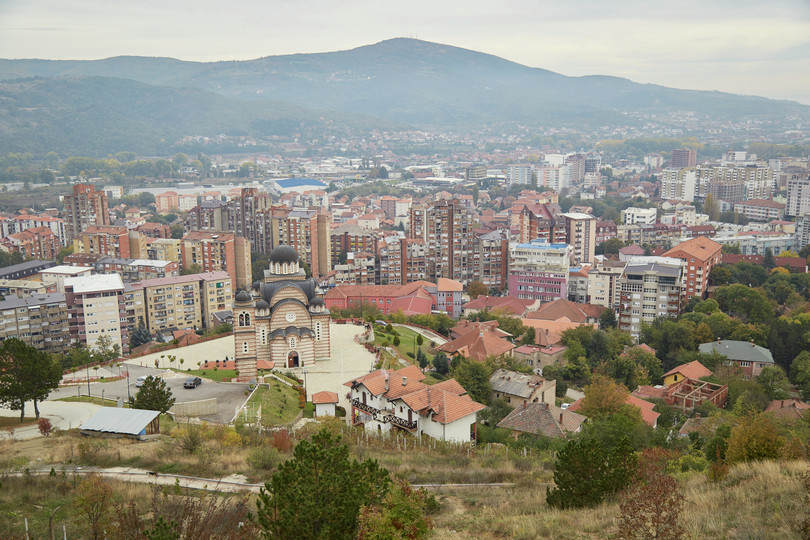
x=137, y=269
x=402, y=260
x=111, y=241
x=683, y=157
x=734, y=183
x=539, y=270
x=519, y=174
x=96, y=308
x=23, y=222
x=761, y=209
x=167, y=201
x=798, y=197
x=218, y=251
x=639, y=216
x=699, y=255
x=491, y=260
x=34, y=243
x=41, y=321
x=649, y=287
x=581, y=235
x=165, y=249
x=542, y=221
x=179, y=302
x=603, y=284
x=450, y=241
x=351, y=238
x=802, y=234
x=58, y=274
x=679, y=184
x=85, y=207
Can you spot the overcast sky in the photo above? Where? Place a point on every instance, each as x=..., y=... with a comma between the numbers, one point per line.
x=759, y=47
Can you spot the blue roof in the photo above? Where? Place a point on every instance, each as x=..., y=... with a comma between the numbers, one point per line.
x=297, y=182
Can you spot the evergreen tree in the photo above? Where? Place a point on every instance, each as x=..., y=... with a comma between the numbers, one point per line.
x=154, y=395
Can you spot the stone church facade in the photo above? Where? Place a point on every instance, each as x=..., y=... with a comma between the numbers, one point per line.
x=282, y=319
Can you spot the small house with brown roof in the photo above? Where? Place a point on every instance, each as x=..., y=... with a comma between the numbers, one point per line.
x=386, y=400
x=792, y=409
x=478, y=345
x=693, y=370
x=506, y=304
x=537, y=357
x=324, y=403
x=560, y=310
x=519, y=389
x=649, y=416
x=543, y=419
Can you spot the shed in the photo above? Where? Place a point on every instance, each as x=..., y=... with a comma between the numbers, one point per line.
x=324, y=403
x=122, y=422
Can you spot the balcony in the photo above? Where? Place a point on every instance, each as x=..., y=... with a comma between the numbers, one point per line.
x=401, y=422
x=357, y=404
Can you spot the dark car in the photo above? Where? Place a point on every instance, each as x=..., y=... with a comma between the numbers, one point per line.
x=192, y=382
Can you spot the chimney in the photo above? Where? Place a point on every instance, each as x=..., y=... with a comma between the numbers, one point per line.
x=524, y=404
x=561, y=413
x=404, y=381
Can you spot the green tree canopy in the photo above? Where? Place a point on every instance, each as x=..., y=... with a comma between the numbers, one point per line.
x=26, y=374
x=154, y=395
x=320, y=492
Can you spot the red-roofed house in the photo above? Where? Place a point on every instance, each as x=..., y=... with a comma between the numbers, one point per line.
x=389, y=400
x=324, y=403
x=693, y=370
x=566, y=310
x=382, y=296
x=487, y=341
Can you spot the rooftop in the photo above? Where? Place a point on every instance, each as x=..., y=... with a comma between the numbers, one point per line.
x=97, y=283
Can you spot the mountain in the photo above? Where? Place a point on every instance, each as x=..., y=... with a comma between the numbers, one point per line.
x=400, y=80
x=96, y=116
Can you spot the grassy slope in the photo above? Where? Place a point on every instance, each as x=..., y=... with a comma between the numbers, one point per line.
x=279, y=403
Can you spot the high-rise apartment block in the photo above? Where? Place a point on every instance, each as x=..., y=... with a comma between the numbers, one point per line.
x=111, y=241
x=97, y=308
x=35, y=243
x=218, y=251
x=543, y=221
x=802, y=234
x=678, y=184
x=84, y=208
x=581, y=235
x=650, y=287
x=450, y=241
x=699, y=256
x=683, y=157
x=539, y=270
x=798, y=197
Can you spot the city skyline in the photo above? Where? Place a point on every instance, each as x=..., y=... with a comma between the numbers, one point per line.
x=742, y=47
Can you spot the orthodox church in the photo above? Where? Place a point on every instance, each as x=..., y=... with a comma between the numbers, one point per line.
x=282, y=319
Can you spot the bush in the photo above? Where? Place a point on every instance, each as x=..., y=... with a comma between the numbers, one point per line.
x=281, y=441
x=190, y=438
x=44, y=426
x=264, y=458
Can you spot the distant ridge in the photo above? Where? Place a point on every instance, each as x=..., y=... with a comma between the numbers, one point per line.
x=405, y=81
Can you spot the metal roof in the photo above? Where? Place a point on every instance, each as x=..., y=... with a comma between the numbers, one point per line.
x=115, y=420
x=738, y=350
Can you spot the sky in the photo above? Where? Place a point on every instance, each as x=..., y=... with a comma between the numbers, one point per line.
x=758, y=47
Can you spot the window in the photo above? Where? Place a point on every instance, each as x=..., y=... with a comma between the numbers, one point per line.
x=745, y=364
x=245, y=347
x=292, y=342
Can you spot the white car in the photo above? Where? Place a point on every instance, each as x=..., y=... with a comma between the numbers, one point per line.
x=140, y=380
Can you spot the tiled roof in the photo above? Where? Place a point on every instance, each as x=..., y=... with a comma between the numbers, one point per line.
x=542, y=418
x=515, y=383
x=411, y=305
x=506, y=303
x=324, y=397
x=478, y=345
x=446, y=407
x=788, y=408
x=556, y=327
x=574, y=312
x=700, y=247
x=449, y=285
x=374, y=291
x=693, y=370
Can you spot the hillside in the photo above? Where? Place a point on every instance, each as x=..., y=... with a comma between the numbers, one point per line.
x=420, y=83
x=95, y=116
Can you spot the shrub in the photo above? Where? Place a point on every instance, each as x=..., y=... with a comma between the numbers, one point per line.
x=190, y=438
x=281, y=441
x=44, y=426
x=264, y=458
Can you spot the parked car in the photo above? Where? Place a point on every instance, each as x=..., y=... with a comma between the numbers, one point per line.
x=192, y=382
x=140, y=380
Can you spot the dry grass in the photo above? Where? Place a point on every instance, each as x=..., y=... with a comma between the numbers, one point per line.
x=756, y=501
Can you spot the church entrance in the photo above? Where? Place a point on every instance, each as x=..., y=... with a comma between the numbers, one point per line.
x=292, y=359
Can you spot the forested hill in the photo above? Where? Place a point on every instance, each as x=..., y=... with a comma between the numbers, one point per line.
x=420, y=83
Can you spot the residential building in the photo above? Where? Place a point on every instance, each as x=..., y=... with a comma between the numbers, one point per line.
x=167, y=201
x=85, y=207
x=683, y=157
x=603, y=280
x=581, y=235
x=165, y=249
x=519, y=174
x=96, y=308
x=40, y=320
x=519, y=389
x=691, y=370
x=25, y=269
x=450, y=241
x=448, y=296
x=543, y=221
x=511, y=305
x=543, y=419
x=182, y=302
x=699, y=255
x=388, y=298
x=137, y=269
x=110, y=241
x=214, y=251
x=34, y=243
x=58, y=274
x=491, y=259
x=351, y=238
x=538, y=270
x=384, y=401
x=798, y=197
x=751, y=358
x=802, y=234
x=650, y=287
x=761, y=209
x=186, y=203
x=563, y=309
x=208, y=216
x=639, y=216
x=23, y=288
x=479, y=342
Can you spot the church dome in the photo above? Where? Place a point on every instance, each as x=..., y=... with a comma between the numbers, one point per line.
x=244, y=297
x=261, y=304
x=283, y=254
x=317, y=301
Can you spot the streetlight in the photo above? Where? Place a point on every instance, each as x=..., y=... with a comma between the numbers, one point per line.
x=305, y=383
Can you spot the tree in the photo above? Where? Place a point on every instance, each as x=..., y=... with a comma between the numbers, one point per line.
x=603, y=397
x=800, y=373
x=419, y=340
x=710, y=207
x=586, y=472
x=612, y=246
x=105, y=351
x=607, y=319
x=474, y=378
x=154, y=395
x=441, y=364
x=93, y=501
x=26, y=374
x=755, y=438
x=768, y=260
x=476, y=289
x=745, y=303
x=323, y=483
x=775, y=382
x=193, y=268
x=139, y=336
x=177, y=231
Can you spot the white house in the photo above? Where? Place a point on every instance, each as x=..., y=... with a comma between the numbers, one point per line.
x=386, y=400
x=324, y=403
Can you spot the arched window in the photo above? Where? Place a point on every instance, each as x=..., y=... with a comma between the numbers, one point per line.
x=292, y=342
x=284, y=268
x=241, y=319
x=247, y=319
